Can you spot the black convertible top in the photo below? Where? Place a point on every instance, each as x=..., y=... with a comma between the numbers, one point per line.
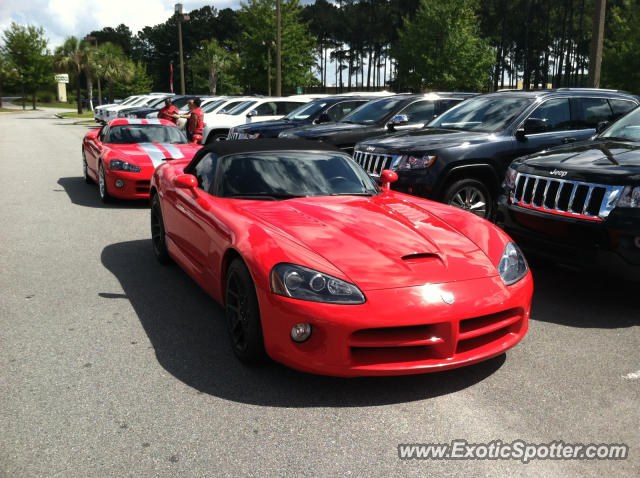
x=223, y=148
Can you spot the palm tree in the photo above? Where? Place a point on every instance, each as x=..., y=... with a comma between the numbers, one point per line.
x=72, y=57
x=109, y=63
x=215, y=58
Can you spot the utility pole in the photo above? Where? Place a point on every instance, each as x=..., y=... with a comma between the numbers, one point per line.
x=181, y=18
x=597, y=39
x=268, y=45
x=278, y=50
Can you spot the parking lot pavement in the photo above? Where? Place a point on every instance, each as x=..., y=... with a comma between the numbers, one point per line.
x=112, y=365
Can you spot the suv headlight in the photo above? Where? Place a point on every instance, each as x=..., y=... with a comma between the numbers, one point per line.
x=512, y=266
x=252, y=136
x=298, y=282
x=415, y=162
x=510, y=178
x=118, y=165
x=630, y=197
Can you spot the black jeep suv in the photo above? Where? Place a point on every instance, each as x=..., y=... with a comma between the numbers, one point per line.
x=580, y=204
x=386, y=115
x=461, y=157
x=323, y=110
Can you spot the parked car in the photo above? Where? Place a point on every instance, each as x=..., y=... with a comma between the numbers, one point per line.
x=180, y=102
x=122, y=155
x=111, y=112
x=142, y=111
x=580, y=204
x=382, y=116
x=217, y=126
x=99, y=111
x=322, y=270
x=461, y=157
x=323, y=110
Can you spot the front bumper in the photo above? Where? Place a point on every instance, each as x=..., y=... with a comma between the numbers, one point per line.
x=400, y=331
x=135, y=185
x=613, y=244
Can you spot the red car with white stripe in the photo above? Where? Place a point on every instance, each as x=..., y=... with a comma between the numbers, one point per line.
x=122, y=155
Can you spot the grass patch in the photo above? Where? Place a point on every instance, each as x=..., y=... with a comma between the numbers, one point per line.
x=52, y=104
x=75, y=115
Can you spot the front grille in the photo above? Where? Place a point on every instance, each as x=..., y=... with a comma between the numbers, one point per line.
x=233, y=135
x=436, y=341
x=563, y=197
x=374, y=164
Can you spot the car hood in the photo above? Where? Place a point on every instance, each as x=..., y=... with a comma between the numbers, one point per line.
x=378, y=242
x=605, y=161
x=425, y=139
x=314, y=131
x=268, y=126
x=151, y=153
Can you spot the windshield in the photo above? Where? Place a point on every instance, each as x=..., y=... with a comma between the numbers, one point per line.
x=374, y=111
x=305, y=111
x=144, y=133
x=130, y=100
x=212, y=105
x=240, y=108
x=627, y=127
x=158, y=102
x=486, y=114
x=138, y=102
x=282, y=175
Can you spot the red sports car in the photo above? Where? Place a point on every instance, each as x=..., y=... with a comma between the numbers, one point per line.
x=322, y=270
x=122, y=155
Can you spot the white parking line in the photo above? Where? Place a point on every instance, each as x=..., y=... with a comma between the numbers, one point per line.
x=632, y=375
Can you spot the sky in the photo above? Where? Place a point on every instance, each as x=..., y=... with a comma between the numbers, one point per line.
x=62, y=18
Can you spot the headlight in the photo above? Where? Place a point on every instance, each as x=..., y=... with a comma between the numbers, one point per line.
x=414, y=162
x=630, y=197
x=284, y=135
x=302, y=283
x=512, y=266
x=118, y=165
x=510, y=178
x=252, y=136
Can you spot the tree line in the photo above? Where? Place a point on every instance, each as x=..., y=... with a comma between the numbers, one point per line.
x=404, y=45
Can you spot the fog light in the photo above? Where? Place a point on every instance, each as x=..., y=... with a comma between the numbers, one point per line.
x=637, y=241
x=301, y=332
x=119, y=183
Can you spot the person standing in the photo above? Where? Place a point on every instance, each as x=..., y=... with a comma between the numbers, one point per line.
x=169, y=112
x=195, y=120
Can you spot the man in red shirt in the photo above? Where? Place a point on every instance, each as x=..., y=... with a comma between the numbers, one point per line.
x=195, y=120
x=169, y=112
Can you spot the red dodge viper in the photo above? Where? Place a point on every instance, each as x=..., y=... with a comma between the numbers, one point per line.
x=122, y=155
x=320, y=269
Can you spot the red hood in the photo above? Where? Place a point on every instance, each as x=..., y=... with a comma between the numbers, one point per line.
x=147, y=154
x=378, y=242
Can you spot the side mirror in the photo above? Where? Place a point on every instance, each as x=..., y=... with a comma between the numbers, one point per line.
x=323, y=118
x=185, y=181
x=387, y=177
x=252, y=113
x=398, y=120
x=222, y=112
x=602, y=126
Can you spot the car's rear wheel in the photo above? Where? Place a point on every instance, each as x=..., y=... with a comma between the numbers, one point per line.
x=158, y=235
x=470, y=195
x=105, y=197
x=243, y=314
x=85, y=169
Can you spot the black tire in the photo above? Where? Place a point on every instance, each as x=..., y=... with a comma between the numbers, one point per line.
x=158, y=235
x=214, y=137
x=243, y=315
x=470, y=195
x=85, y=169
x=103, y=191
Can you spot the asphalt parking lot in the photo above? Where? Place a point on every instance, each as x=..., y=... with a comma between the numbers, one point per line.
x=112, y=365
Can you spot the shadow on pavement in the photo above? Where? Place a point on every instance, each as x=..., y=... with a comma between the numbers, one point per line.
x=187, y=330
x=86, y=195
x=587, y=299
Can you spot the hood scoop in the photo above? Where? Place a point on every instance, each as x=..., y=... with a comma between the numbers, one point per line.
x=421, y=257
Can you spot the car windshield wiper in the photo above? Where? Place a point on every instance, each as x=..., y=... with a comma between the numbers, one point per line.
x=272, y=196
x=361, y=193
x=617, y=138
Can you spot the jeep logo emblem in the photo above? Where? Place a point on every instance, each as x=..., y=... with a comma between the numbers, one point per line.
x=371, y=148
x=557, y=172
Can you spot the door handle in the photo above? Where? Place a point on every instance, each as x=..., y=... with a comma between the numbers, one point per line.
x=568, y=140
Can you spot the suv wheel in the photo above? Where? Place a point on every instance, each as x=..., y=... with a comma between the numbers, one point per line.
x=470, y=195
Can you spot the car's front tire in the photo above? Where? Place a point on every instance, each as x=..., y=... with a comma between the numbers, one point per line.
x=158, y=235
x=470, y=195
x=242, y=313
x=85, y=169
x=103, y=191
x=215, y=137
